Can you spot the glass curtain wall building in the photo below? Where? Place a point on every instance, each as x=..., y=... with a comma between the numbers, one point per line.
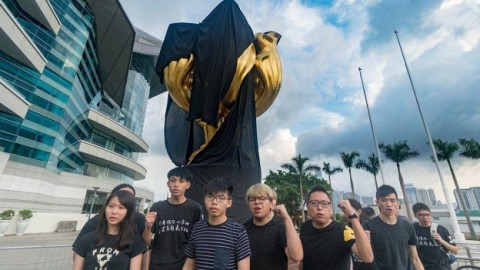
x=75, y=77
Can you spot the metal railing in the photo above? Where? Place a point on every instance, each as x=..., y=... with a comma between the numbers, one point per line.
x=469, y=254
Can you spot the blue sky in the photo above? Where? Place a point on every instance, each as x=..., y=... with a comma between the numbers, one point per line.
x=320, y=110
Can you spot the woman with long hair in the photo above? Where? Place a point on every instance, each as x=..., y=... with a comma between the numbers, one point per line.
x=115, y=244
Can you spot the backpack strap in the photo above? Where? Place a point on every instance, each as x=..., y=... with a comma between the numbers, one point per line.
x=434, y=229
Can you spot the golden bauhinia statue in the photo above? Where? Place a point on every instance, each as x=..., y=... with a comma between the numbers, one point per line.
x=260, y=58
x=219, y=77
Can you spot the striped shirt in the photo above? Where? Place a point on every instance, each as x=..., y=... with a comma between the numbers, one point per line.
x=218, y=246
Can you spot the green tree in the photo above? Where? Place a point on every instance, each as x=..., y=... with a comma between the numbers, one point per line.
x=399, y=152
x=445, y=152
x=471, y=148
x=286, y=185
x=300, y=169
x=331, y=171
x=348, y=161
x=370, y=165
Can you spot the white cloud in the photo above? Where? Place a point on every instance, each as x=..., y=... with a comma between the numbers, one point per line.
x=320, y=110
x=276, y=148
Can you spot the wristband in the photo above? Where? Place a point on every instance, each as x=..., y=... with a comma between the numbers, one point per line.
x=353, y=216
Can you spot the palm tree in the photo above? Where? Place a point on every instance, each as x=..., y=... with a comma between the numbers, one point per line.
x=370, y=165
x=348, y=160
x=331, y=171
x=299, y=168
x=445, y=152
x=471, y=148
x=398, y=153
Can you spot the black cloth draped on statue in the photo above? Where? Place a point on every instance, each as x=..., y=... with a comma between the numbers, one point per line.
x=216, y=44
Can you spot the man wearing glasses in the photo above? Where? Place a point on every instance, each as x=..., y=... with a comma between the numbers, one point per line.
x=393, y=239
x=328, y=244
x=219, y=242
x=273, y=240
x=433, y=243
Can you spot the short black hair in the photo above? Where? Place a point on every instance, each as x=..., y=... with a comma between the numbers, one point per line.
x=318, y=188
x=218, y=185
x=420, y=206
x=385, y=190
x=355, y=204
x=181, y=172
x=368, y=212
x=119, y=187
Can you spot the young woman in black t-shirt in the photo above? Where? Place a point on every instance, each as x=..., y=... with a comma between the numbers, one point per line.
x=115, y=244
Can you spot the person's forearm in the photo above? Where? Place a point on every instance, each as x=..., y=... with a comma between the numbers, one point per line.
x=189, y=264
x=362, y=242
x=147, y=235
x=294, y=245
x=417, y=264
x=136, y=262
x=453, y=249
x=244, y=264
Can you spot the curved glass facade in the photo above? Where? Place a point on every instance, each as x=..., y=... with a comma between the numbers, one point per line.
x=63, y=93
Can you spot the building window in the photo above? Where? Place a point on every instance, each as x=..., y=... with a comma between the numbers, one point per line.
x=99, y=140
x=97, y=202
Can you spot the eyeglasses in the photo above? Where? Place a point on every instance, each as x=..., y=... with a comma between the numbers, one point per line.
x=220, y=198
x=385, y=200
x=424, y=215
x=261, y=199
x=323, y=204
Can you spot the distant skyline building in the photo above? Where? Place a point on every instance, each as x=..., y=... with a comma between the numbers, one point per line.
x=426, y=196
x=411, y=191
x=75, y=77
x=433, y=198
x=367, y=200
x=341, y=195
x=422, y=195
x=469, y=196
x=347, y=195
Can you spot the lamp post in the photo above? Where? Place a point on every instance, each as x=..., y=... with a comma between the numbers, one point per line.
x=453, y=217
x=93, y=201
x=302, y=203
x=373, y=130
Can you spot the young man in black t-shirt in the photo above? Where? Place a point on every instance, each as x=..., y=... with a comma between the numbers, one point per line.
x=393, y=239
x=433, y=243
x=273, y=240
x=327, y=244
x=170, y=222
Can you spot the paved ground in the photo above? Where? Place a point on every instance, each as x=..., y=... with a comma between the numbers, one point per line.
x=37, y=251
x=38, y=239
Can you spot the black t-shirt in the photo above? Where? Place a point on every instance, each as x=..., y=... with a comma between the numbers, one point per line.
x=267, y=243
x=431, y=253
x=391, y=243
x=107, y=256
x=92, y=225
x=359, y=264
x=171, y=230
x=327, y=248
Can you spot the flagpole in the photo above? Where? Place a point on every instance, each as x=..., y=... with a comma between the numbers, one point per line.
x=453, y=217
x=371, y=126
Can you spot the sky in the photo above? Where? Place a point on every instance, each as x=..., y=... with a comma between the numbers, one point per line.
x=321, y=111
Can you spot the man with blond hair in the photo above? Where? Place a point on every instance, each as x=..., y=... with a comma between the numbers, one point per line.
x=272, y=235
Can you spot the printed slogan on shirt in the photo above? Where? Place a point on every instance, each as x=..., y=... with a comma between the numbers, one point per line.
x=171, y=225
